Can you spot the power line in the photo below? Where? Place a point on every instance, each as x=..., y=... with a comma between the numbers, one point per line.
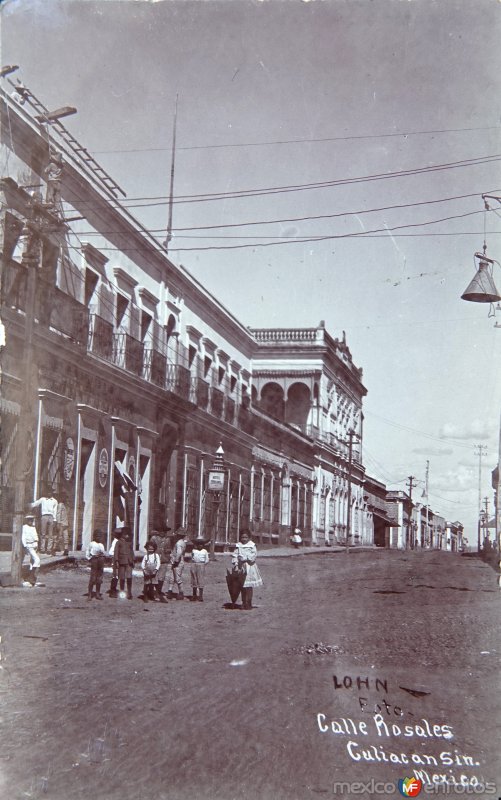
x=315, y=217
x=356, y=234
x=301, y=141
x=241, y=193
x=442, y=439
x=331, y=237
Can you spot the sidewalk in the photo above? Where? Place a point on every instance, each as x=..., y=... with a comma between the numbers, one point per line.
x=280, y=551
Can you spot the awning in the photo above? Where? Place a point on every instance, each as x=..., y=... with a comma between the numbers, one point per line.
x=128, y=483
x=388, y=523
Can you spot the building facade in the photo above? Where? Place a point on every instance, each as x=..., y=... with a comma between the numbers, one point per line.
x=122, y=377
x=130, y=375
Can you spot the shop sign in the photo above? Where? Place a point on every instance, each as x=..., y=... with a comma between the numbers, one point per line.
x=103, y=467
x=69, y=458
x=216, y=481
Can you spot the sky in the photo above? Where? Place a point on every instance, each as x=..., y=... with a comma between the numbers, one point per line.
x=289, y=94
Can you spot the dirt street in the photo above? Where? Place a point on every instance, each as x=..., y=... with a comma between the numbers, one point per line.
x=118, y=700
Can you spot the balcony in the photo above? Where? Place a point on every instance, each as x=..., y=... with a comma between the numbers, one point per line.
x=200, y=393
x=14, y=286
x=178, y=380
x=128, y=353
x=229, y=410
x=100, y=337
x=154, y=367
x=71, y=320
x=217, y=402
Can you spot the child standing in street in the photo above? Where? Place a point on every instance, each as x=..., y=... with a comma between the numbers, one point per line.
x=177, y=564
x=199, y=558
x=29, y=537
x=117, y=534
x=161, y=541
x=244, y=556
x=95, y=554
x=150, y=566
x=123, y=561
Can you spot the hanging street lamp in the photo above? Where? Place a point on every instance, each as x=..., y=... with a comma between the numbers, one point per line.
x=482, y=288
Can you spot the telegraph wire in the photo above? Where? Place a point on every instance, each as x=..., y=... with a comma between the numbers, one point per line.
x=356, y=234
x=302, y=141
x=353, y=235
x=242, y=193
x=308, y=218
x=442, y=439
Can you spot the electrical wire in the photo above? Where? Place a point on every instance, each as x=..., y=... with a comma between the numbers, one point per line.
x=356, y=234
x=442, y=439
x=357, y=213
x=300, y=141
x=241, y=193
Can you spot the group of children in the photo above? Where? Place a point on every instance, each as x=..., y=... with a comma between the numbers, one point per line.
x=156, y=564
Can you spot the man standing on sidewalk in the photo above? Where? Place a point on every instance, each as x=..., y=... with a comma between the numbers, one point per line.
x=48, y=510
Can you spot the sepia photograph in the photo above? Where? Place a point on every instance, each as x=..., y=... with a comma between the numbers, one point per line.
x=250, y=374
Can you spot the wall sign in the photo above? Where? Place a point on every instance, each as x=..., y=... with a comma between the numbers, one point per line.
x=103, y=467
x=69, y=458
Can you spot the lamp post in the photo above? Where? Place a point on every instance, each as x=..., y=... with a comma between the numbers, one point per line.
x=216, y=486
x=351, y=436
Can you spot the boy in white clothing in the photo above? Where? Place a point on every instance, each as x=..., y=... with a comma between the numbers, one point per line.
x=150, y=566
x=95, y=554
x=29, y=538
x=199, y=558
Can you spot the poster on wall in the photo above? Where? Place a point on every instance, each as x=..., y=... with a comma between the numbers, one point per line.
x=274, y=225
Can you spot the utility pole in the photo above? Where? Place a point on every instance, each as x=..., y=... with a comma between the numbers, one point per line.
x=486, y=517
x=31, y=262
x=42, y=220
x=171, y=191
x=426, y=488
x=480, y=450
x=351, y=435
x=411, y=484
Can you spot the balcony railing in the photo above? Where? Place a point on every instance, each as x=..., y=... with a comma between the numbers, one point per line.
x=154, y=367
x=200, y=392
x=178, y=380
x=14, y=286
x=217, y=402
x=100, y=337
x=128, y=353
x=229, y=410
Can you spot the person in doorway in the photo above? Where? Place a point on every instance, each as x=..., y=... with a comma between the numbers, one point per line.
x=62, y=537
x=48, y=511
x=95, y=554
x=123, y=560
x=177, y=564
x=244, y=556
x=199, y=558
x=150, y=566
x=296, y=539
x=160, y=539
x=117, y=534
x=29, y=538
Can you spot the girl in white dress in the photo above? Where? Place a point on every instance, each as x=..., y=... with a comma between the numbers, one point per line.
x=245, y=555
